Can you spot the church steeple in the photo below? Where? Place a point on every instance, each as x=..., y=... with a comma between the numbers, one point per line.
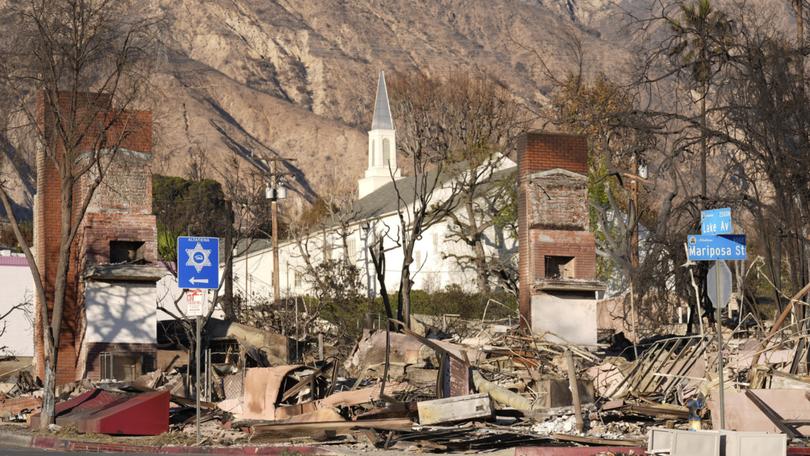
x=382, y=110
x=382, y=146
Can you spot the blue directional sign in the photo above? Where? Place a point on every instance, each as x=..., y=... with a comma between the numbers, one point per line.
x=197, y=262
x=716, y=221
x=711, y=248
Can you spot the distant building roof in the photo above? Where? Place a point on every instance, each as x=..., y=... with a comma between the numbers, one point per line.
x=13, y=260
x=247, y=246
x=382, y=119
x=384, y=200
x=381, y=202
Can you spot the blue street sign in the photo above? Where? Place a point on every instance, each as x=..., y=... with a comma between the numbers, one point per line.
x=711, y=248
x=716, y=221
x=197, y=262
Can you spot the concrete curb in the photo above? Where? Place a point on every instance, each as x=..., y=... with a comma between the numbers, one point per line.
x=16, y=440
x=594, y=451
x=53, y=443
x=578, y=451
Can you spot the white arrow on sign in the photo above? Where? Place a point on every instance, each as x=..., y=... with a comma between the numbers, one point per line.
x=718, y=284
x=195, y=280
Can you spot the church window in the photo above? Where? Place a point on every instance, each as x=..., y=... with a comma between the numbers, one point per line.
x=373, y=154
x=351, y=250
x=386, y=152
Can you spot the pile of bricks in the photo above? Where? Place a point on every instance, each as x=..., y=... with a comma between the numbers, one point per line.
x=15, y=406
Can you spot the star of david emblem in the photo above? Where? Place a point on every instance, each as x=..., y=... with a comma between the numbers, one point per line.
x=198, y=257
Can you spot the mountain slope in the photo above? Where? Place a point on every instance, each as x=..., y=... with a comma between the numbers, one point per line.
x=297, y=77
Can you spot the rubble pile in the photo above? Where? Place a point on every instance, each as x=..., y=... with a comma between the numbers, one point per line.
x=501, y=386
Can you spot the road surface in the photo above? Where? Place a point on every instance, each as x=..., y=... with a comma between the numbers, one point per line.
x=7, y=451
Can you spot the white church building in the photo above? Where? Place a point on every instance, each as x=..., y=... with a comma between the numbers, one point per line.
x=375, y=212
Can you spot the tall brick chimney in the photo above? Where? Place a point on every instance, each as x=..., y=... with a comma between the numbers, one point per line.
x=99, y=224
x=557, y=253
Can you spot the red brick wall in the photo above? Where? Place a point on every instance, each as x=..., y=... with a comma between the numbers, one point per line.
x=552, y=211
x=544, y=151
x=132, y=131
x=99, y=229
x=577, y=244
x=557, y=200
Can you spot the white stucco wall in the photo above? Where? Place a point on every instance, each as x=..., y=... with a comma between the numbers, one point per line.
x=121, y=312
x=431, y=271
x=567, y=319
x=17, y=286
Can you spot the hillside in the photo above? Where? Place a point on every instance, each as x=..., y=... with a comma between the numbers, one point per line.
x=297, y=78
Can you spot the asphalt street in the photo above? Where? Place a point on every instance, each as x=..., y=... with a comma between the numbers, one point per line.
x=4, y=451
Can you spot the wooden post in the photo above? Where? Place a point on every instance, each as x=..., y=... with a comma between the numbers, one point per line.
x=572, y=385
x=274, y=229
x=320, y=346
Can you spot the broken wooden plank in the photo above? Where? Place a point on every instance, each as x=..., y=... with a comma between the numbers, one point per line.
x=572, y=385
x=658, y=411
x=338, y=427
x=456, y=408
x=596, y=441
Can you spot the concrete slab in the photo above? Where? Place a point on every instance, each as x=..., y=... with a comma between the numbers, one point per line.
x=566, y=319
x=743, y=415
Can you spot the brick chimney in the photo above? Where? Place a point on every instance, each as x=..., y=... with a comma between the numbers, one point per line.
x=556, y=250
x=117, y=195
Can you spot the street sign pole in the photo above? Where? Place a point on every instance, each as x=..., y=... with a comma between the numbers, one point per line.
x=197, y=272
x=718, y=287
x=197, y=357
x=717, y=243
x=717, y=316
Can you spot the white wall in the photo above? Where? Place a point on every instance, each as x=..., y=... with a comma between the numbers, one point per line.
x=431, y=271
x=121, y=312
x=253, y=273
x=17, y=286
x=568, y=319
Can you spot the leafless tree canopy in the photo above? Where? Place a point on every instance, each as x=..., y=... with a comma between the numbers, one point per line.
x=715, y=112
x=89, y=61
x=450, y=133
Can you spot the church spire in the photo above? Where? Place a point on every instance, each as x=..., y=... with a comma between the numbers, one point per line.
x=382, y=146
x=382, y=110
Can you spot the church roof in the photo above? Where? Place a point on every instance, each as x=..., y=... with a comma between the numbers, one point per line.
x=385, y=200
x=381, y=202
x=382, y=110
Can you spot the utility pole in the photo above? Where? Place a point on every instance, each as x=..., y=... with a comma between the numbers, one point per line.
x=274, y=191
x=634, y=260
x=274, y=218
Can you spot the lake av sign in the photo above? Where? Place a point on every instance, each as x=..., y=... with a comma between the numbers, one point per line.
x=716, y=221
x=197, y=262
x=701, y=247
